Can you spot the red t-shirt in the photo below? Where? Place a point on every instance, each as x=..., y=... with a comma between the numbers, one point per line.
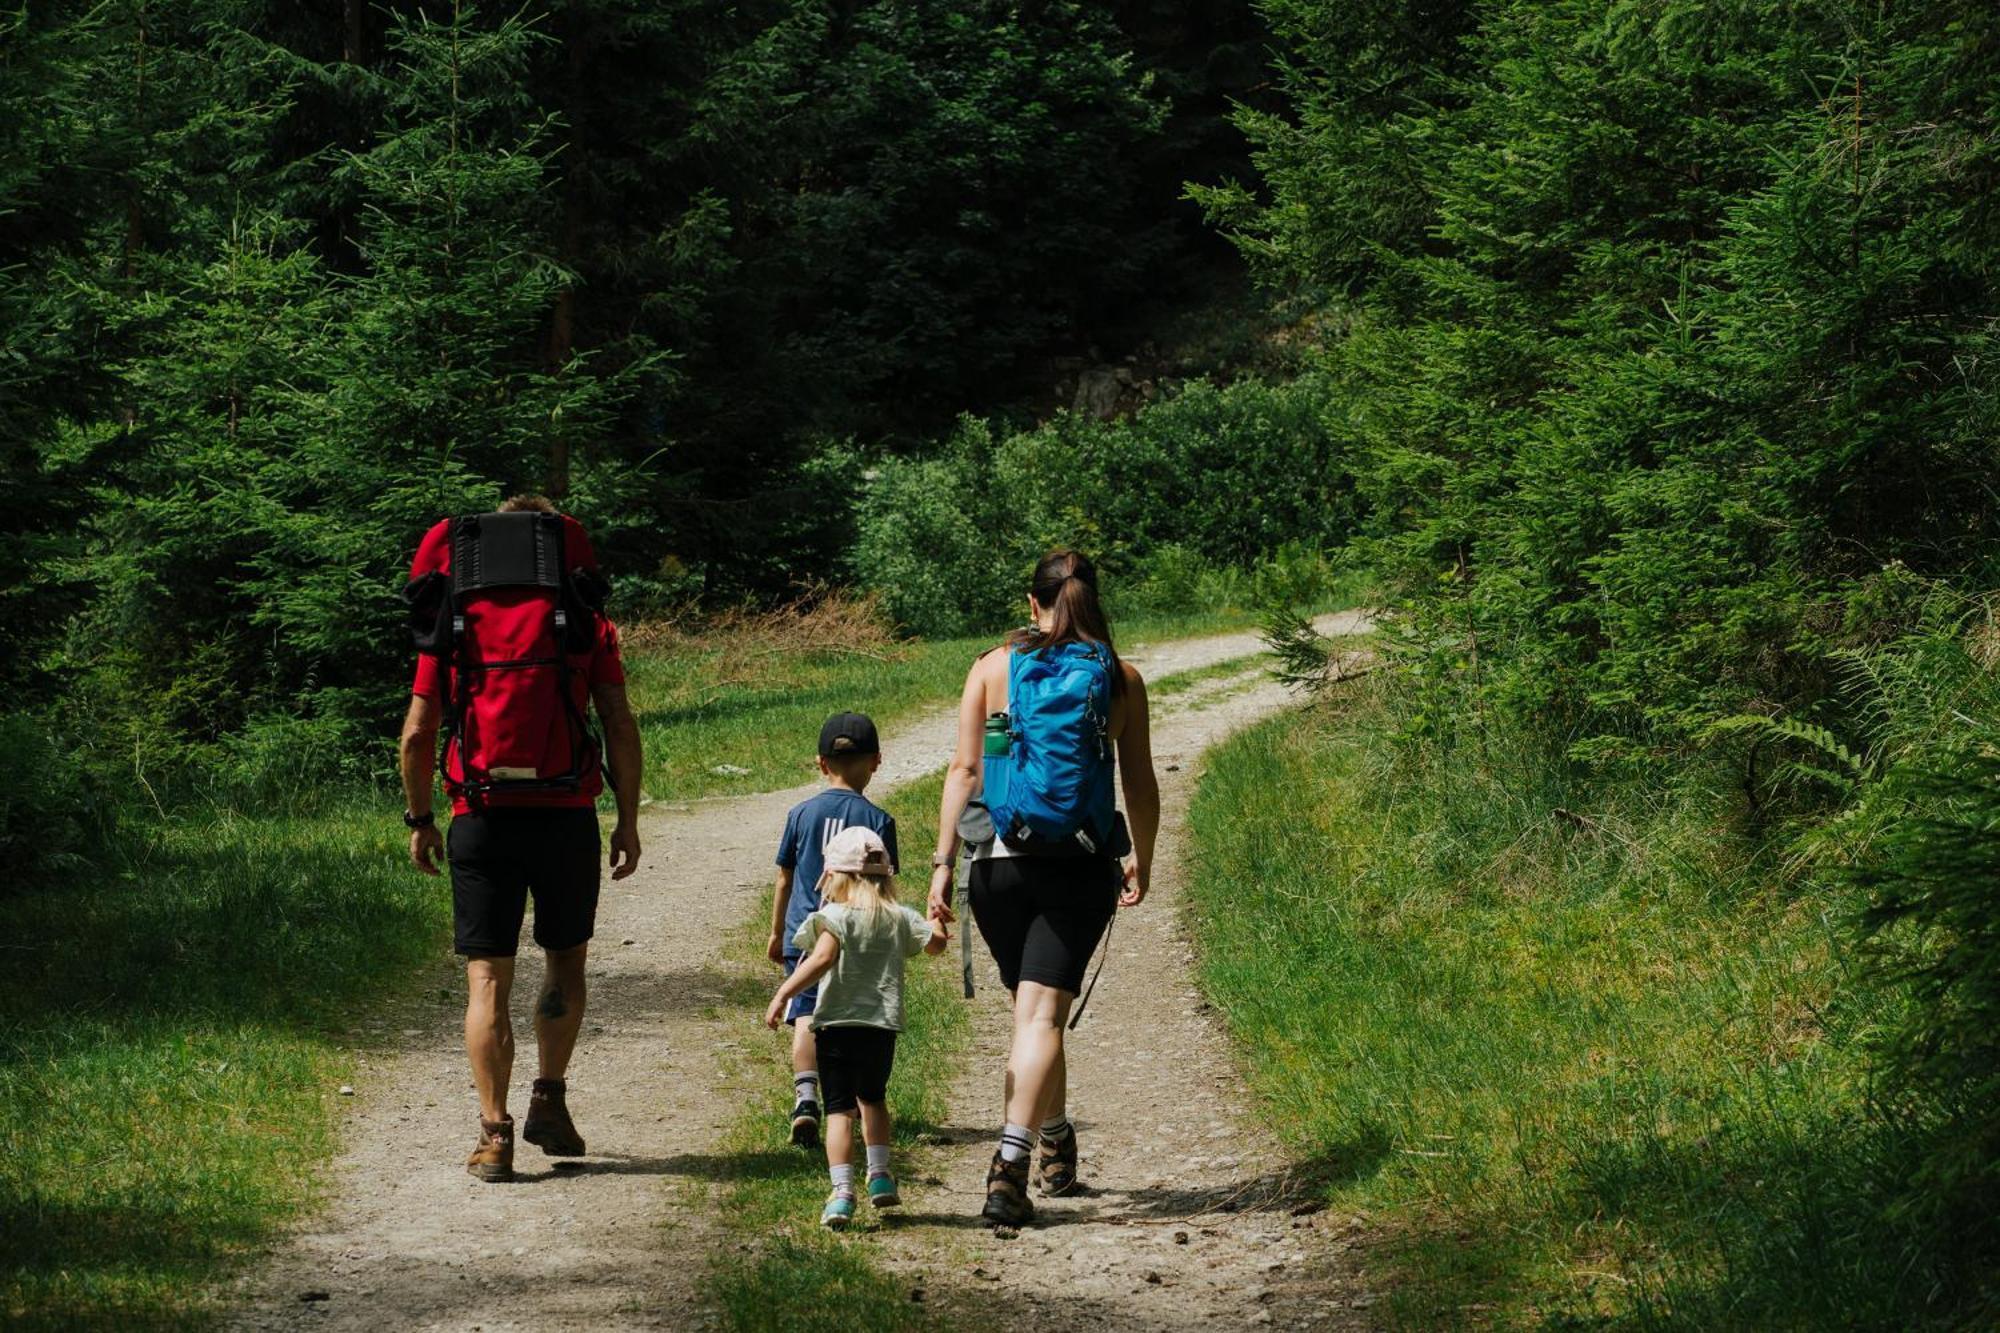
x=604, y=667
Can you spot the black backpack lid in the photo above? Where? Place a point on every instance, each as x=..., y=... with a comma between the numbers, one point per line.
x=517, y=550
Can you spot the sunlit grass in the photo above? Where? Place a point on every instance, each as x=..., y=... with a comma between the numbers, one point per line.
x=170, y=1050
x=1575, y=1048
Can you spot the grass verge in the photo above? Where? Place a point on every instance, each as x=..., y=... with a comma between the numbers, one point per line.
x=1576, y=1050
x=789, y=1272
x=172, y=1046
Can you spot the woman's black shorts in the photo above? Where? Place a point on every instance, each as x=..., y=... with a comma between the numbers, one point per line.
x=500, y=857
x=1042, y=916
x=854, y=1066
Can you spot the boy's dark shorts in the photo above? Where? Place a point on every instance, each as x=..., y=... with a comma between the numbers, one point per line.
x=501, y=857
x=805, y=1001
x=854, y=1065
x=1042, y=916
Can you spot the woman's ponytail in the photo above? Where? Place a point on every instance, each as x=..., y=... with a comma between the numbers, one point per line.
x=1065, y=586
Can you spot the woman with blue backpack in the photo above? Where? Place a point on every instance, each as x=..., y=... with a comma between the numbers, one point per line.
x=1043, y=728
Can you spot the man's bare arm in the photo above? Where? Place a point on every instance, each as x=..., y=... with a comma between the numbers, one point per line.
x=418, y=763
x=622, y=754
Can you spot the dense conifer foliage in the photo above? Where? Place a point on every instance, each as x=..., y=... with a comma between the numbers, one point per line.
x=280, y=283
x=1671, y=334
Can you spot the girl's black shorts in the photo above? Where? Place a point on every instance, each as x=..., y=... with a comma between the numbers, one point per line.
x=854, y=1066
x=1042, y=916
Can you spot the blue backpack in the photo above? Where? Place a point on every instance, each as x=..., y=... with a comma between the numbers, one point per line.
x=1051, y=789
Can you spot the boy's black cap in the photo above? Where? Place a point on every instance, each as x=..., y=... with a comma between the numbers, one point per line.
x=848, y=733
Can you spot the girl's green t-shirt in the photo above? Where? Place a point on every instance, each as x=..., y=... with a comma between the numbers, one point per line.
x=864, y=987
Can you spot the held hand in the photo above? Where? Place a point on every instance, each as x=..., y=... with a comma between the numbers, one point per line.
x=427, y=849
x=774, y=1017
x=624, y=850
x=774, y=948
x=940, y=900
x=1137, y=879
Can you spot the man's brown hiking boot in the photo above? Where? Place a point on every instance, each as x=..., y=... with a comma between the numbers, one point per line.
x=549, y=1127
x=1056, y=1163
x=493, y=1159
x=1007, y=1202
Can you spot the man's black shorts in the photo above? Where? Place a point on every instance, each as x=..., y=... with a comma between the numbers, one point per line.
x=854, y=1065
x=1042, y=916
x=500, y=857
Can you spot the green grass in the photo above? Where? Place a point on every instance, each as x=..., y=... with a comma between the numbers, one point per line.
x=792, y=1273
x=1186, y=681
x=1574, y=1049
x=172, y=1044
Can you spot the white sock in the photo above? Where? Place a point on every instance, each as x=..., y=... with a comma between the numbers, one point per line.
x=805, y=1086
x=1016, y=1143
x=1055, y=1127
x=878, y=1159
x=843, y=1178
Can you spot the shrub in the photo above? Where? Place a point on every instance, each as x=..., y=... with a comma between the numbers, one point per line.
x=1219, y=497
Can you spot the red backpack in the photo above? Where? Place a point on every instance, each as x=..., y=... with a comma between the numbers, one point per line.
x=510, y=603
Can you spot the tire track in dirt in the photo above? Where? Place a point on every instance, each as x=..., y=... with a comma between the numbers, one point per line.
x=408, y=1240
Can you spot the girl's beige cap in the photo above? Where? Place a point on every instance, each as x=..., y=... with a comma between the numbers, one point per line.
x=857, y=851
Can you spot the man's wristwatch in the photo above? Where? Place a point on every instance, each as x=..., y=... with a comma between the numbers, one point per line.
x=427, y=819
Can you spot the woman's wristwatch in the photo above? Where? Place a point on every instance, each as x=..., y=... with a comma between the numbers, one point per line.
x=943, y=858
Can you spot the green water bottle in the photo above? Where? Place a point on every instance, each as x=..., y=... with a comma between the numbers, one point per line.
x=996, y=734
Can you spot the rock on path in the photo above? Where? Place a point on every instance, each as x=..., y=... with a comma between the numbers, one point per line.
x=408, y=1240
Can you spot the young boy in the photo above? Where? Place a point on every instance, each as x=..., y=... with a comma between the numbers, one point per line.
x=849, y=753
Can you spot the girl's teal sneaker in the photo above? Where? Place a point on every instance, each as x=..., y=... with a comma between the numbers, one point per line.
x=882, y=1190
x=838, y=1213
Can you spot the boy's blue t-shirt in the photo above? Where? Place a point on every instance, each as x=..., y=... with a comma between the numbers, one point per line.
x=808, y=829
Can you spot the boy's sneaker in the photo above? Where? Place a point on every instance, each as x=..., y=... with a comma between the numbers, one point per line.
x=839, y=1211
x=548, y=1126
x=805, y=1124
x=882, y=1191
x=1007, y=1202
x=493, y=1159
x=1056, y=1163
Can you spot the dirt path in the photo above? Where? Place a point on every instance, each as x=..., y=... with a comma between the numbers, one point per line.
x=408, y=1240
x=1188, y=1217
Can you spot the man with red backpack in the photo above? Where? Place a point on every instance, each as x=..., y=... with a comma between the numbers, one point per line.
x=514, y=647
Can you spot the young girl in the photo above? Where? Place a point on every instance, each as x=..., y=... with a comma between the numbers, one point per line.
x=854, y=946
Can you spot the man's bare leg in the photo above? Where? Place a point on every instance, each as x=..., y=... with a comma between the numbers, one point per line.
x=489, y=1032
x=559, y=1011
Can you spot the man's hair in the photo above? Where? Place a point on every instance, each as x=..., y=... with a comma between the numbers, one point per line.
x=515, y=504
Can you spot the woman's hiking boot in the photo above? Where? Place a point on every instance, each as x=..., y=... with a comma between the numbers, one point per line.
x=549, y=1126
x=1056, y=1163
x=493, y=1159
x=1007, y=1202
